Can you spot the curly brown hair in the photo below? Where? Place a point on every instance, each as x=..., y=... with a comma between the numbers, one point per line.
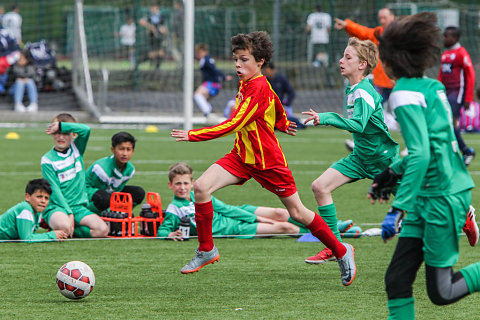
x=258, y=43
x=410, y=45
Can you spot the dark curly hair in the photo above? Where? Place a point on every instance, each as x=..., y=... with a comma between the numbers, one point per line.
x=258, y=43
x=410, y=45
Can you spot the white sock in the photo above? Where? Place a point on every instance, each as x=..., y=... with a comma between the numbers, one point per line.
x=202, y=103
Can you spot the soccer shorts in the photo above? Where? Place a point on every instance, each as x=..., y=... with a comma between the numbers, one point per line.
x=278, y=180
x=249, y=208
x=228, y=226
x=438, y=221
x=453, y=97
x=79, y=212
x=212, y=87
x=353, y=167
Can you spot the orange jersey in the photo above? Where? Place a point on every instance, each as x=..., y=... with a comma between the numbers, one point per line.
x=258, y=111
x=353, y=29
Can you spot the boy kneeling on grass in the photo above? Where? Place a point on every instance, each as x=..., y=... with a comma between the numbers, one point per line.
x=245, y=221
x=21, y=221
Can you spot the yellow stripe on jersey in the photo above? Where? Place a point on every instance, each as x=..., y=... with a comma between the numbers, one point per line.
x=231, y=123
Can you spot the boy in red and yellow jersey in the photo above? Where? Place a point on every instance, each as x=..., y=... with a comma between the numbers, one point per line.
x=256, y=154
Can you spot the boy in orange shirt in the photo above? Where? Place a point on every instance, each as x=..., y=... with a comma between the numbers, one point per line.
x=256, y=154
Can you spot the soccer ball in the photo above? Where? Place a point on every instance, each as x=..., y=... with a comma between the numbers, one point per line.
x=75, y=279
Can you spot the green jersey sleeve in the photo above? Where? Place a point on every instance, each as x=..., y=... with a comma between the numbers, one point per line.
x=233, y=212
x=170, y=223
x=82, y=131
x=25, y=226
x=364, y=106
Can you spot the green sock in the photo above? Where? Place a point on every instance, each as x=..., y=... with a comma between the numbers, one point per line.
x=401, y=309
x=471, y=274
x=329, y=214
x=303, y=229
x=82, y=232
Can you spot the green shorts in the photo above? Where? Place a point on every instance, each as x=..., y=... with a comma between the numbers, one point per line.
x=228, y=226
x=353, y=167
x=249, y=208
x=438, y=221
x=79, y=212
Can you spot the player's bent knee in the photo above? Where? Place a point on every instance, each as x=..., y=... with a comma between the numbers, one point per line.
x=445, y=287
x=318, y=187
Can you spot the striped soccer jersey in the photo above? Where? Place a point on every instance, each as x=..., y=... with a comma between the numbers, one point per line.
x=258, y=111
x=65, y=171
x=365, y=121
x=104, y=174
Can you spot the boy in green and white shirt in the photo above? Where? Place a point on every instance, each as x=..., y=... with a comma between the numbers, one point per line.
x=227, y=220
x=435, y=190
x=21, y=221
x=110, y=174
x=63, y=167
x=374, y=148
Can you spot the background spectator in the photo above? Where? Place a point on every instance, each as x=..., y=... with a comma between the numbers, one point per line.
x=23, y=73
x=318, y=25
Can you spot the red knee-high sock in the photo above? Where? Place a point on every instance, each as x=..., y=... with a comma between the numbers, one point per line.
x=203, y=218
x=320, y=229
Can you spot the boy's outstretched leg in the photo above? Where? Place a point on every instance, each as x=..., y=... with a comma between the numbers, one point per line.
x=344, y=252
x=206, y=252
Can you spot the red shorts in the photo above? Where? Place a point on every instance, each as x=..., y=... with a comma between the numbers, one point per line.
x=277, y=180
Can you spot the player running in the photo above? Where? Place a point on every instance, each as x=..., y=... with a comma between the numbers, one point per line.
x=374, y=148
x=435, y=190
x=256, y=154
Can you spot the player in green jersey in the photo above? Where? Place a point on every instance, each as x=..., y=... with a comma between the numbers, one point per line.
x=63, y=167
x=227, y=219
x=110, y=174
x=374, y=147
x=21, y=221
x=435, y=190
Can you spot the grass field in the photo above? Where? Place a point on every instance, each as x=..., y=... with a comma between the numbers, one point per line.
x=255, y=279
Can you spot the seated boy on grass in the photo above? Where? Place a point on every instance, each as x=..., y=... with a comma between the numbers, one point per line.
x=110, y=174
x=63, y=167
x=21, y=221
x=227, y=219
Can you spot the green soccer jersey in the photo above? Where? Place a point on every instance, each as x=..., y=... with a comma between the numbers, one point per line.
x=104, y=174
x=365, y=121
x=21, y=222
x=66, y=171
x=180, y=208
x=433, y=166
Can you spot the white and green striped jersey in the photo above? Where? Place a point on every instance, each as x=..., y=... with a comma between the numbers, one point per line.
x=104, y=174
x=434, y=165
x=66, y=171
x=365, y=121
x=21, y=222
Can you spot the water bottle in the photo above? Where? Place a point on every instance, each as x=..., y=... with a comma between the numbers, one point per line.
x=185, y=227
x=147, y=228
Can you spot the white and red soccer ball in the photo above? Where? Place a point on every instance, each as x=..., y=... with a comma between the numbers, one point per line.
x=75, y=279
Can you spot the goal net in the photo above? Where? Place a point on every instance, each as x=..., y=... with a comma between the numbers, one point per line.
x=143, y=81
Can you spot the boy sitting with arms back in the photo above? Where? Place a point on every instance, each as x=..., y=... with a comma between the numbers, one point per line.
x=227, y=219
x=110, y=174
x=63, y=167
x=21, y=221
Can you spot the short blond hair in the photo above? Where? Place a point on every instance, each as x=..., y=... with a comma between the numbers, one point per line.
x=367, y=51
x=179, y=169
x=64, y=117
